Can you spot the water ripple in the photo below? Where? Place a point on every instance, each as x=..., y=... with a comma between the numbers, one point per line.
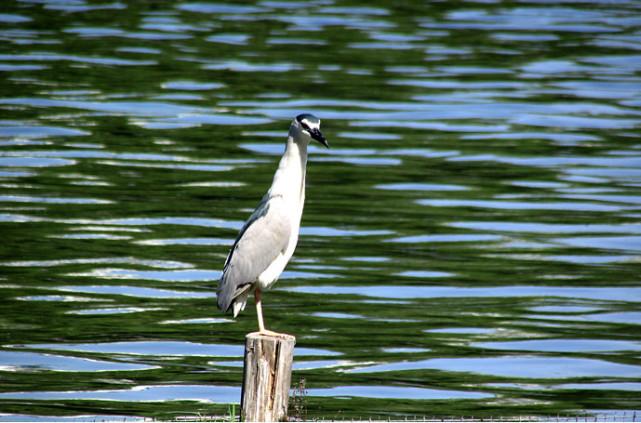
x=478, y=209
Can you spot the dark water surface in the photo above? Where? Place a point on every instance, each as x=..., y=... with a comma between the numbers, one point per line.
x=471, y=244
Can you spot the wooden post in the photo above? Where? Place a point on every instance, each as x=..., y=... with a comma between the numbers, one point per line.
x=266, y=377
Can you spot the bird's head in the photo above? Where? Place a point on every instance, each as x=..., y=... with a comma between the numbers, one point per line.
x=307, y=127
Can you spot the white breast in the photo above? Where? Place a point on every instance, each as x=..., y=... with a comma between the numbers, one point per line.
x=289, y=184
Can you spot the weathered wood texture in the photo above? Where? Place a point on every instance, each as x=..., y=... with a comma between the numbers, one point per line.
x=267, y=377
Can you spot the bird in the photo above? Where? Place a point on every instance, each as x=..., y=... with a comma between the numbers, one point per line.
x=267, y=241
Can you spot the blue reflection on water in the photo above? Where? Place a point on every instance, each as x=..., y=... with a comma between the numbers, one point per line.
x=20, y=361
x=512, y=366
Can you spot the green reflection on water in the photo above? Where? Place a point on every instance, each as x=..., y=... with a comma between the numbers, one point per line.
x=477, y=148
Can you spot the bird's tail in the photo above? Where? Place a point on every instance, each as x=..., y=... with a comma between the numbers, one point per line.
x=230, y=298
x=239, y=303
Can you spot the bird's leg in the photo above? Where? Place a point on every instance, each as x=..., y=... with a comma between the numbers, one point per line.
x=259, y=312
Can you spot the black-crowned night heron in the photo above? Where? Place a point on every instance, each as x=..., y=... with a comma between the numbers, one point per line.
x=268, y=239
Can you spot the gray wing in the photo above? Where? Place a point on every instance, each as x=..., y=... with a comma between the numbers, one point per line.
x=263, y=237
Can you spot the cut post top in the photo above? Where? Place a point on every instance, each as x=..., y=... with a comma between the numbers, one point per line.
x=272, y=336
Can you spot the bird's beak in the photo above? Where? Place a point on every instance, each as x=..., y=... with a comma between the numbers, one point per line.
x=318, y=136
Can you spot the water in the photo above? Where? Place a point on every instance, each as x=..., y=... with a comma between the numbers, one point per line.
x=471, y=243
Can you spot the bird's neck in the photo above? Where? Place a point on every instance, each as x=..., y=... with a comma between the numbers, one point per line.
x=289, y=180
